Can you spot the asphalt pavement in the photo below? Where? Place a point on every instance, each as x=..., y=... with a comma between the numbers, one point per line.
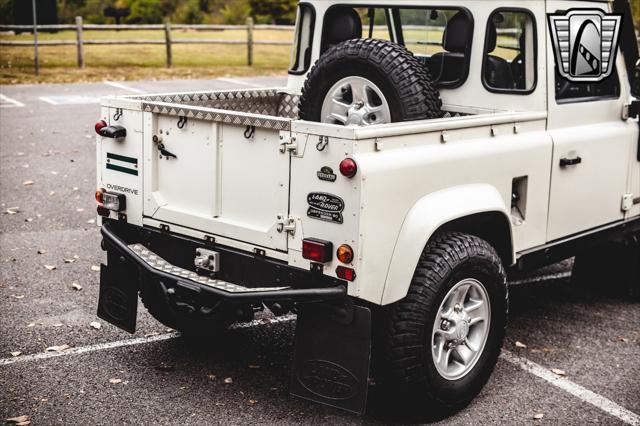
x=577, y=360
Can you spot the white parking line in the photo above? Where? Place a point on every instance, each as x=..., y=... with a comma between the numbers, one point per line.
x=7, y=102
x=132, y=342
x=238, y=82
x=122, y=86
x=47, y=100
x=540, y=278
x=572, y=388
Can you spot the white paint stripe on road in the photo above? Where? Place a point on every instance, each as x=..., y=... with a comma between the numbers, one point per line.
x=239, y=82
x=540, y=278
x=10, y=103
x=122, y=86
x=47, y=100
x=132, y=342
x=572, y=388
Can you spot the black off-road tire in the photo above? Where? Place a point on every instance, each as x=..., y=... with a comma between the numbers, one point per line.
x=191, y=326
x=405, y=83
x=609, y=269
x=404, y=364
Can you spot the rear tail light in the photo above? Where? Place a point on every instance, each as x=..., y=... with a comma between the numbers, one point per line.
x=99, y=193
x=317, y=250
x=345, y=273
x=100, y=125
x=110, y=200
x=348, y=167
x=345, y=253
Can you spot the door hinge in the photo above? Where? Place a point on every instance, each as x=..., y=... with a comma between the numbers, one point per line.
x=286, y=224
x=288, y=144
x=628, y=202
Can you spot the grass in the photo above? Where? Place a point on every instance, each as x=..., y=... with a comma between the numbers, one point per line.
x=130, y=62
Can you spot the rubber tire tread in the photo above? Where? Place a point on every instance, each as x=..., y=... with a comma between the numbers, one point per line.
x=402, y=346
x=407, y=85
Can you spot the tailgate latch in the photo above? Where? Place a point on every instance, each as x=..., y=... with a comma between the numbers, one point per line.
x=288, y=143
x=286, y=224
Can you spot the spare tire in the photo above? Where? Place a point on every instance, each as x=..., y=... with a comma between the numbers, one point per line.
x=367, y=81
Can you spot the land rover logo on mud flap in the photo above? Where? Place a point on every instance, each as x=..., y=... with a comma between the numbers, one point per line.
x=585, y=42
x=326, y=173
x=325, y=207
x=327, y=379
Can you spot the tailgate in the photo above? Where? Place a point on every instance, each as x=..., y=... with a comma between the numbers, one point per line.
x=228, y=179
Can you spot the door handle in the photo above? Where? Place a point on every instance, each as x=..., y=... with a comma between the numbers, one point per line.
x=565, y=162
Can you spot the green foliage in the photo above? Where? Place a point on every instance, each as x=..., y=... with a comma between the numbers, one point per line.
x=189, y=12
x=144, y=12
x=235, y=12
x=274, y=11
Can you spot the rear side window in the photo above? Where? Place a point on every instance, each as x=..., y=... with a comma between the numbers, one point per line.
x=440, y=39
x=303, y=40
x=510, y=53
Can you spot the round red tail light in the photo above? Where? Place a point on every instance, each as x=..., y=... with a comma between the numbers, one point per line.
x=348, y=167
x=100, y=125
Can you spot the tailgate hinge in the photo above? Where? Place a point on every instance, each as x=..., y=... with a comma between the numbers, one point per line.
x=288, y=143
x=628, y=202
x=286, y=224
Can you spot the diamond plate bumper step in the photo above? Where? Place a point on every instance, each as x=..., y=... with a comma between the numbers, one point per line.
x=150, y=263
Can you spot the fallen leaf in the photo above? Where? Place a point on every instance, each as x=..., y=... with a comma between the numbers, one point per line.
x=27, y=183
x=41, y=251
x=58, y=324
x=559, y=372
x=95, y=268
x=535, y=351
x=75, y=188
x=15, y=353
x=76, y=286
x=12, y=210
x=31, y=324
x=228, y=380
x=253, y=366
x=211, y=376
x=91, y=221
x=52, y=193
x=80, y=210
x=520, y=345
x=18, y=296
x=57, y=348
x=20, y=420
x=50, y=267
x=115, y=381
x=252, y=401
x=538, y=416
x=53, y=172
x=96, y=325
x=624, y=339
x=69, y=260
x=28, y=219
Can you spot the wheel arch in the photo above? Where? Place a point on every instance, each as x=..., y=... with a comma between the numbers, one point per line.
x=476, y=209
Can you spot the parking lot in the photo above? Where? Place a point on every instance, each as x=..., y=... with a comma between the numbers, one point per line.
x=577, y=359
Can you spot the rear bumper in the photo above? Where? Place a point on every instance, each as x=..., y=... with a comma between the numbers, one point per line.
x=131, y=264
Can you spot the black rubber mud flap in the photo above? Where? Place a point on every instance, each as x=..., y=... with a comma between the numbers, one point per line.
x=331, y=360
x=118, y=303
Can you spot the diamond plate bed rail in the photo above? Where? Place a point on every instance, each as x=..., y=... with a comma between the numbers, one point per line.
x=265, y=108
x=158, y=263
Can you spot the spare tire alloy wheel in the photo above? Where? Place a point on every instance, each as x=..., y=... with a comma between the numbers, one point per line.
x=461, y=329
x=355, y=101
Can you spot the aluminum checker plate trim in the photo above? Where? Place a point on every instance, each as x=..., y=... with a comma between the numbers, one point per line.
x=158, y=263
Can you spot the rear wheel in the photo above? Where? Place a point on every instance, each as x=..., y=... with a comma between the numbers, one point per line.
x=439, y=345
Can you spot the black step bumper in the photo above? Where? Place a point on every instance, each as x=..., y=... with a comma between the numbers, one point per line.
x=131, y=264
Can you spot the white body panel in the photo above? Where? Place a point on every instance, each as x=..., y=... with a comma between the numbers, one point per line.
x=413, y=177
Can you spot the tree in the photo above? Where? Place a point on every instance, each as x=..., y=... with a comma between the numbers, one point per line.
x=274, y=11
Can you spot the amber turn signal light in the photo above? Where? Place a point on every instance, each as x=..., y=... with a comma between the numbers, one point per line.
x=99, y=195
x=345, y=253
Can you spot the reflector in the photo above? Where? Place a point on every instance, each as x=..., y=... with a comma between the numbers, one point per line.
x=345, y=273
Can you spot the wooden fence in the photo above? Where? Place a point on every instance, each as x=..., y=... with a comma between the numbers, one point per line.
x=79, y=27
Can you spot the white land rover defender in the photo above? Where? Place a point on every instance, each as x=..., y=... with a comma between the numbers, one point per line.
x=421, y=152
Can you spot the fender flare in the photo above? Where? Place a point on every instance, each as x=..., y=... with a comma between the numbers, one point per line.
x=428, y=215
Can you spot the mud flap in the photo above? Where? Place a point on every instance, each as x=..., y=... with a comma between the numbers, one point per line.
x=118, y=302
x=331, y=359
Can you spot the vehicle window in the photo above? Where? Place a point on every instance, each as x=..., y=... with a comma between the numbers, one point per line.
x=568, y=91
x=510, y=52
x=303, y=40
x=440, y=39
x=342, y=23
